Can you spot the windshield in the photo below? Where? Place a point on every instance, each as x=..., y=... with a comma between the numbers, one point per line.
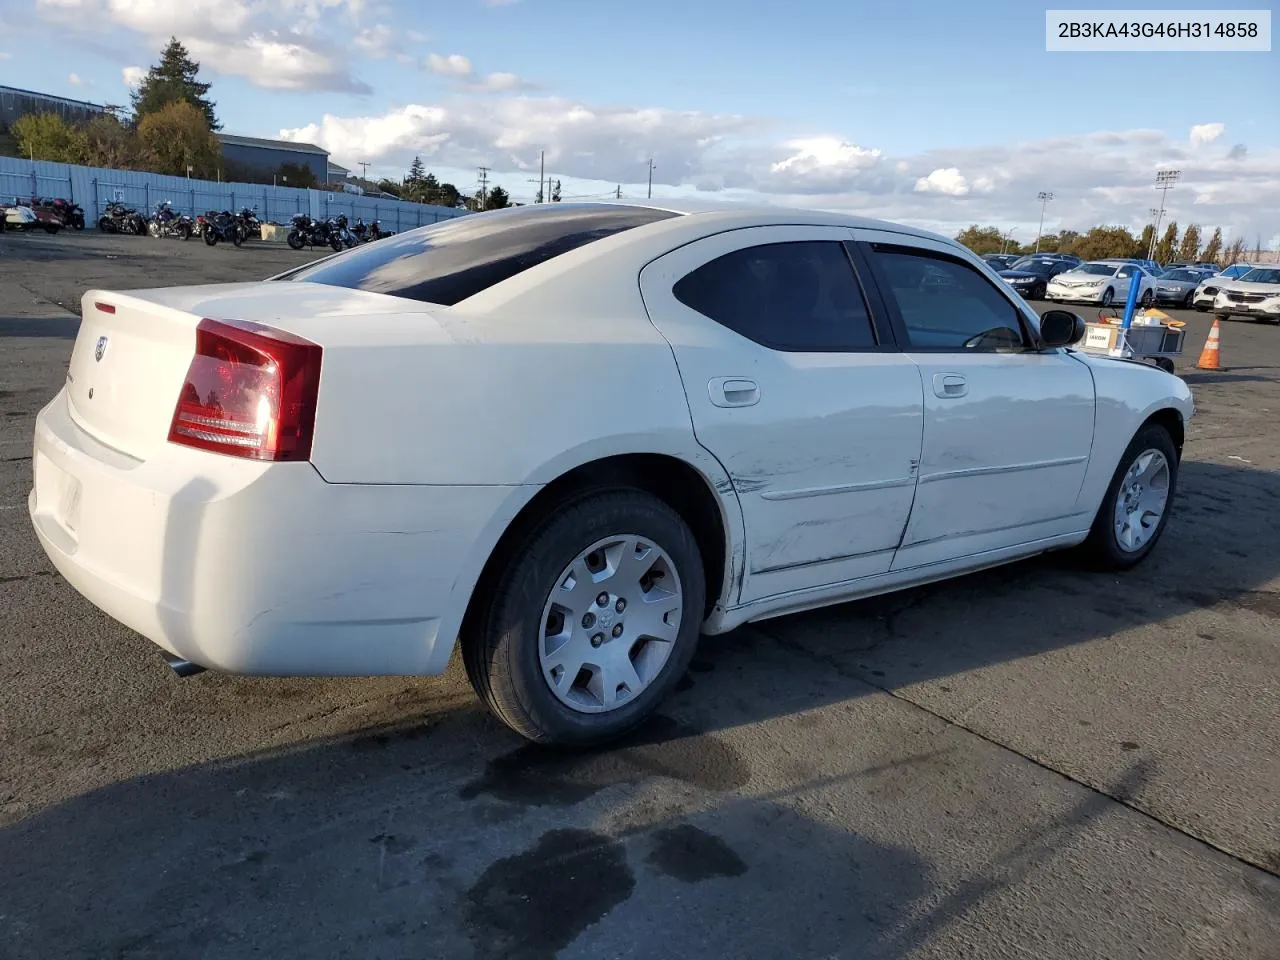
x=1030, y=265
x=1097, y=269
x=448, y=262
x=1181, y=275
x=1262, y=275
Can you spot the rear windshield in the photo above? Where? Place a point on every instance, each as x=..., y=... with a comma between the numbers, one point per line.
x=448, y=262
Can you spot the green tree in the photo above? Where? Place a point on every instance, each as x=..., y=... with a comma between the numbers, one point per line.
x=555, y=192
x=171, y=80
x=1067, y=239
x=1168, y=243
x=981, y=240
x=175, y=137
x=415, y=174
x=46, y=136
x=1189, y=249
x=1148, y=234
x=447, y=195
x=1213, y=249
x=497, y=198
x=1103, y=242
x=391, y=187
x=109, y=143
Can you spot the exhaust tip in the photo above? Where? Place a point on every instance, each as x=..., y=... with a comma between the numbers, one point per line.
x=183, y=668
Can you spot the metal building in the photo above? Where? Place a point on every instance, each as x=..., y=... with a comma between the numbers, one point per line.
x=265, y=157
x=15, y=103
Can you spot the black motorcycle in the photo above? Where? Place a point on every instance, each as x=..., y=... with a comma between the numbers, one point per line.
x=223, y=225
x=252, y=225
x=166, y=223
x=117, y=218
x=312, y=233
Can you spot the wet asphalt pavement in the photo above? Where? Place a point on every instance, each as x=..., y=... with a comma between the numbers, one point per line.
x=1030, y=762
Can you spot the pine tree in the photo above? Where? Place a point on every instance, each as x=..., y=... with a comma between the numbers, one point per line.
x=1213, y=249
x=1190, y=245
x=1168, y=243
x=171, y=80
x=416, y=172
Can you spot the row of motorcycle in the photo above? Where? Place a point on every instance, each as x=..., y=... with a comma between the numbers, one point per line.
x=223, y=225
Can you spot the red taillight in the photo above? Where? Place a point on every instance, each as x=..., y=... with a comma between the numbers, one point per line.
x=105, y=307
x=250, y=392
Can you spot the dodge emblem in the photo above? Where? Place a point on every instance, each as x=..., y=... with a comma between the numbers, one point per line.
x=100, y=349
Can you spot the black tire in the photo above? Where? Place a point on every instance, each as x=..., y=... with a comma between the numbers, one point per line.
x=184, y=232
x=501, y=649
x=211, y=237
x=1147, y=299
x=1107, y=296
x=336, y=242
x=1202, y=307
x=1222, y=316
x=237, y=236
x=1189, y=300
x=1102, y=549
x=295, y=241
x=1165, y=364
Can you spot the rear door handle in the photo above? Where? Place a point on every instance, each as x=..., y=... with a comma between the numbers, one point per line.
x=733, y=392
x=950, y=385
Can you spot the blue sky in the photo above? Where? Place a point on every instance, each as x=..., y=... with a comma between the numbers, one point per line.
x=933, y=112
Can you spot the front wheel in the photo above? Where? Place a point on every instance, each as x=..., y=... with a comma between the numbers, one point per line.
x=592, y=622
x=211, y=236
x=295, y=241
x=237, y=236
x=1224, y=317
x=1136, y=506
x=336, y=242
x=1189, y=300
x=1147, y=299
x=1107, y=296
x=1202, y=307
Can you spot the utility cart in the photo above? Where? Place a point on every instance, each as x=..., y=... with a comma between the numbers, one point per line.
x=1152, y=337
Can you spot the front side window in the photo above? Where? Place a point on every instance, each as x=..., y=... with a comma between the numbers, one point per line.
x=1262, y=275
x=448, y=262
x=798, y=296
x=947, y=305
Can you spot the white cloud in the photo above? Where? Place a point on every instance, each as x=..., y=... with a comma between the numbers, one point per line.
x=1203, y=133
x=277, y=44
x=5, y=56
x=947, y=181
x=454, y=65
x=1101, y=177
x=376, y=41
x=133, y=76
x=75, y=80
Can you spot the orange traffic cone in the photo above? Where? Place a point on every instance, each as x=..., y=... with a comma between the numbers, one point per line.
x=1210, y=358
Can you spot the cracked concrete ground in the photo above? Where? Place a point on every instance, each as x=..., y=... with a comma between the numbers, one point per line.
x=1029, y=762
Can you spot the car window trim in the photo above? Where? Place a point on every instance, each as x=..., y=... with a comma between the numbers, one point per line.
x=867, y=249
x=882, y=343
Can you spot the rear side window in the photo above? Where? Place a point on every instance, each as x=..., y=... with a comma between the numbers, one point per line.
x=800, y=296
x=448, y=262
x=947, y=305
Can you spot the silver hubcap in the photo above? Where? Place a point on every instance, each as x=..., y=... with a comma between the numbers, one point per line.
x=610, y=623
x=1141, y=502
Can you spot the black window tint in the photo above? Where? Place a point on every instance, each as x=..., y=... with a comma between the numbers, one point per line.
x=798, y=296
x=448, y=262
x=947, y=305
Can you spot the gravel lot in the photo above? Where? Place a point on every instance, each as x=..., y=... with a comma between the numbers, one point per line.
x=1030, y=762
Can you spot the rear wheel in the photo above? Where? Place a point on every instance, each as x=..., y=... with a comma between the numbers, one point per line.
x=1136, y=506
x=294, y=239
x=210, y=236
x=592, y=622
x=1147, y=298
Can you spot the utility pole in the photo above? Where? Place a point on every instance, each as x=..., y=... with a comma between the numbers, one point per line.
x=364, y=169
x=484, y=186
x=1007, y=238
x=651, y=178
x=1165, y=179
x=617, y=193
x=1044, y=196
x=542, y=175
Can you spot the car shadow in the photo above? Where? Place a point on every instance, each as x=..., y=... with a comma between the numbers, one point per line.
x=438, y=831
x=35, y=328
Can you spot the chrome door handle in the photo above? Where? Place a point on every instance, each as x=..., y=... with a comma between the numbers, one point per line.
x=733, y=392
x=950, y=385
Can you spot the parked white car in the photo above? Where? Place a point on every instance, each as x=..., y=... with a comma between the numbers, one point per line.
x=1256, y=294
x=1103, y=282
x=573, y=437
x=1207, y=292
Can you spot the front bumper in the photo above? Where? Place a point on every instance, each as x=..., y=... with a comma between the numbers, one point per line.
x=258, y=568
x=1075, y=294
x=1268, y=309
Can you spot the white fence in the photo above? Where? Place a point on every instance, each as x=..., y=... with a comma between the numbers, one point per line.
x=95, y=187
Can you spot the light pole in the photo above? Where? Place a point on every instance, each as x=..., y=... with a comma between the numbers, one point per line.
x=1044, y=197
x=364, y=169
x=1165, y=179
x=651, y=178
x=1008, y=237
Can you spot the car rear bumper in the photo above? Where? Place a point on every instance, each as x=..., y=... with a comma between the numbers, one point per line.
x=258, y=568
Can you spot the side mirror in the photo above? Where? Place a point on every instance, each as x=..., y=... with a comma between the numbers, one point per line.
x=1061, y=328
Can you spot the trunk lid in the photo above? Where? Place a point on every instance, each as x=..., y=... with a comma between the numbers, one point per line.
x=133, y=349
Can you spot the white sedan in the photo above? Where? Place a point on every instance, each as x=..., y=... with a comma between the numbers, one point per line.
x=1103, y=282
x=1255, y=294
x=571, y=437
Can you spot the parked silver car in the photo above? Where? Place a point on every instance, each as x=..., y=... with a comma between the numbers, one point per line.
x=1177, y=287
